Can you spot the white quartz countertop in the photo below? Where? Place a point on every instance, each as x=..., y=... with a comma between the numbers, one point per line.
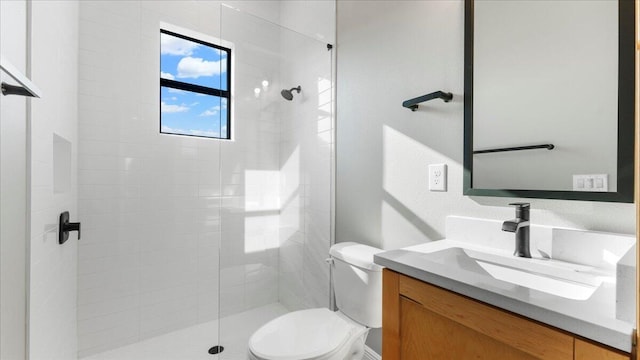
x=593, y=318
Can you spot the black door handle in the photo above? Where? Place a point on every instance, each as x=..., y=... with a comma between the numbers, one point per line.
x=64, y=226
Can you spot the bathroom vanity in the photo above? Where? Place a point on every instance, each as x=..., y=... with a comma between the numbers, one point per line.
x=422, y=321
x=467, y=297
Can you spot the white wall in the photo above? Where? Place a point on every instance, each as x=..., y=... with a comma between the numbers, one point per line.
x=306, y=153
x=151, y=208
x=13, y=187
x=150, y=216
x=250, y=169
x=162, y=214
x=54, y=147
x=313, y=18
x=51, y=45
x=305, y=163
x=390, y=51
x=152, y=204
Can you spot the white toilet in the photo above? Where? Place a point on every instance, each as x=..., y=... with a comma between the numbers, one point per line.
x=321, y=334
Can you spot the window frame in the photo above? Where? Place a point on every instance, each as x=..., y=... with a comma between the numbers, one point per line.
x=212, y=91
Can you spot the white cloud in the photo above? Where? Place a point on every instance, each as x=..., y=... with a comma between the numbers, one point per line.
x=168, y=76
x=208, y=113
x=190, y=67
x=206, y=133
x=175, y=91
x=171, y=45
x=211, y=112
x=170, y=108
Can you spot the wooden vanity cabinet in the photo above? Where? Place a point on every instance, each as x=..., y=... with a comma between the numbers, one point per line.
x=422, y=321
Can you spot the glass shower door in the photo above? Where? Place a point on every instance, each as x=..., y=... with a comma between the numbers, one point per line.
x=275, y=178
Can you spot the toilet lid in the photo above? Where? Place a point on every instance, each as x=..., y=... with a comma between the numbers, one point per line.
x=299, y=335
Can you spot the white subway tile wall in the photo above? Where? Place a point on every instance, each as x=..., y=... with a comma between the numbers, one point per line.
x=54, y=121
x=305, y=186
x=149, y=203
x=179, y=230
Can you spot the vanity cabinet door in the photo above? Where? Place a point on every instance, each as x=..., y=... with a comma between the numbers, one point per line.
x=422, y=321
x=427, y=335
x=588, y=351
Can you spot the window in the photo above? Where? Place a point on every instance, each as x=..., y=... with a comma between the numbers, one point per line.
x=195, y=86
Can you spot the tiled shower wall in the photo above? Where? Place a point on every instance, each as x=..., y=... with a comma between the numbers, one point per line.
x=154, y=207
x=250, y=169
x=162, y=214
x=54, y=150
x=298, y=163
x=305, y=189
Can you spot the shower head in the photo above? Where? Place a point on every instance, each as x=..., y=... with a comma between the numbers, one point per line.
x=288, y=94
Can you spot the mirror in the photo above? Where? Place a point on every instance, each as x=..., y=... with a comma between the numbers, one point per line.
x=549, y=99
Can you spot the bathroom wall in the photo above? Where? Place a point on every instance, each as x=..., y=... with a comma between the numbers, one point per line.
x=53, y=186
x=301, y=171
x=39, y=146
x=313, y=18
x=306, y=152
x=13, y=187
x=390, y=51
x=159, y=212
x=299, y=134
x=305, y=158
x=250, y=168
x=152, y=204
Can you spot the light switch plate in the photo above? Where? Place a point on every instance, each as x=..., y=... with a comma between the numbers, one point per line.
x=438, y=177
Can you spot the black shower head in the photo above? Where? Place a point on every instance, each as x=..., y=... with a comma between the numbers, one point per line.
x=288, y=94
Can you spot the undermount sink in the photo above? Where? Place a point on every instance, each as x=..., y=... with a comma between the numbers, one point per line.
x=567, y=280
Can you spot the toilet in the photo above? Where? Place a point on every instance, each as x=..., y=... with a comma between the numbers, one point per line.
x=322, y=334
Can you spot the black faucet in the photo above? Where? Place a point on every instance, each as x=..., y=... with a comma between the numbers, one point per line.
x=520, y=226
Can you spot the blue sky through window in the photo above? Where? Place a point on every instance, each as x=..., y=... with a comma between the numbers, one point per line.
x=186, y=112
x=189, y=113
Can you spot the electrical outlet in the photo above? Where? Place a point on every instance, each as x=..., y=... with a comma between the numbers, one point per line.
x=438, y=177
x=591, y=182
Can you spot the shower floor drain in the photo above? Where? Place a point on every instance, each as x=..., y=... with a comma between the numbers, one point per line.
x=216, y=350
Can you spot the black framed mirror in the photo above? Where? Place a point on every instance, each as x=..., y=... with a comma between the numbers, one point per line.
x=549, y=99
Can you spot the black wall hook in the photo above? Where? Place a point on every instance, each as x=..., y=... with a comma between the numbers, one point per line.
x=64, y=226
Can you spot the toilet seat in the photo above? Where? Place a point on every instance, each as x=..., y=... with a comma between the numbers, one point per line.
x=301, y=335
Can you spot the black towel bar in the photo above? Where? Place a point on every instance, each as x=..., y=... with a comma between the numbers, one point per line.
x=516, y=148
x=413, y=103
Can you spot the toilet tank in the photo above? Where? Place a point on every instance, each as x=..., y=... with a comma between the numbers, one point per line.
x=357, y=282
